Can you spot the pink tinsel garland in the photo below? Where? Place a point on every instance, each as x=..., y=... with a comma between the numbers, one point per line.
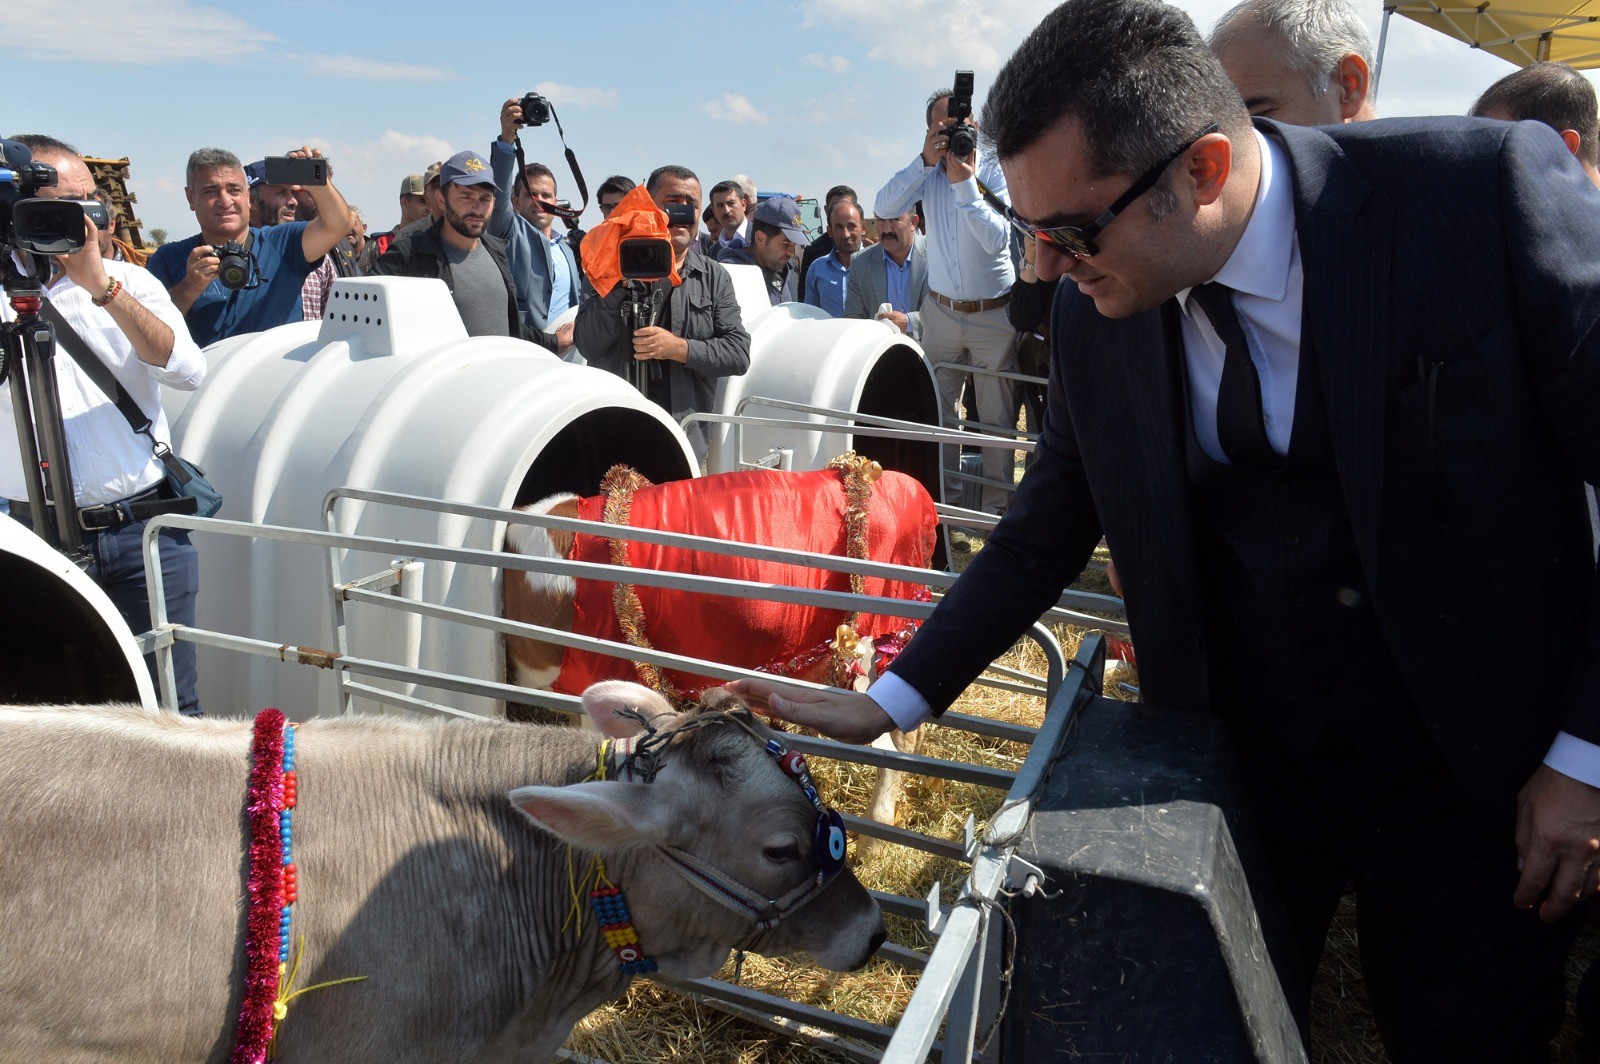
x=264, y=890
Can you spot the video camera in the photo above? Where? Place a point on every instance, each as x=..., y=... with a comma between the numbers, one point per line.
x=29, y=222
x=963, y=139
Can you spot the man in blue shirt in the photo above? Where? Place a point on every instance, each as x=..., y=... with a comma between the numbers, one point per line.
x=969, y=282
x=828, y=277
x=280, y=257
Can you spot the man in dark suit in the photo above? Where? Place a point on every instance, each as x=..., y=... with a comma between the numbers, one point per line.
x=1317, y=388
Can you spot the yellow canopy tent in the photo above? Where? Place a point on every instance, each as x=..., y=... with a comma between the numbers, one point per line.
x=1519, y=31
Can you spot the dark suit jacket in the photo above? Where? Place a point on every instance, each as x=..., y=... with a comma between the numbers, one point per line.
x=1452, y=288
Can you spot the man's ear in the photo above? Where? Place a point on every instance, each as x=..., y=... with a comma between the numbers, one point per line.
x=1210, y=162
x=1570, y=138
x=1353, y=81
x=608, y=815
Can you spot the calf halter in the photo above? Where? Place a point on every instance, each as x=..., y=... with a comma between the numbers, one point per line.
x=766, y=913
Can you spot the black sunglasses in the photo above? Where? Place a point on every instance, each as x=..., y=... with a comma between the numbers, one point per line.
x=1078, y=240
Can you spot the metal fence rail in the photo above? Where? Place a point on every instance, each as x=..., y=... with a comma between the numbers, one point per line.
x=359, y=677
x=953, y=985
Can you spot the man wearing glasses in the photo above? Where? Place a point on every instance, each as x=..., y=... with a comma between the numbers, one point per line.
x=969, y=281
x=1313, y=386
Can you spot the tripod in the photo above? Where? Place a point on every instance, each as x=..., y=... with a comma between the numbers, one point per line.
x=641, y=308
x=28, y=353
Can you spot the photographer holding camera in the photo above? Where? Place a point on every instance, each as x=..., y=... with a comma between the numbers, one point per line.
x=698, y=336
x=124, y=317
x=233, y=278
x=969, y=273
x=544, y=267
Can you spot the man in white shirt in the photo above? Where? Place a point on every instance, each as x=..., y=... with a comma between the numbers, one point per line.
x=970, y=275
x=125, y=317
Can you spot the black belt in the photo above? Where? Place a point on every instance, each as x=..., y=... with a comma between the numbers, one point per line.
x=106, y=516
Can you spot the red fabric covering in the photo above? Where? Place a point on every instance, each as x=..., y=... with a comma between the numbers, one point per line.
x=800, y=511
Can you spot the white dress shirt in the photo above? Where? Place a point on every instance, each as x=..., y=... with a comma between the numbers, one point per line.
x=1265, y=273
x=969, y=242
x=109, y=460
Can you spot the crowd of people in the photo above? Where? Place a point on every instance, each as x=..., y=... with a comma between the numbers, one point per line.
x=1311, y=386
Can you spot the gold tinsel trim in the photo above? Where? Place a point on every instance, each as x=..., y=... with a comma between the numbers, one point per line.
x=620, y=482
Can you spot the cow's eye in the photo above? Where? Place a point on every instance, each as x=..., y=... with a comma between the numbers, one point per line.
x=782, y=854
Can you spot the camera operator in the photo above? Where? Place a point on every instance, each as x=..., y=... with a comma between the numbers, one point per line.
x=699, y=337
x=125, y=317
x=279, y=258
x=969, y=280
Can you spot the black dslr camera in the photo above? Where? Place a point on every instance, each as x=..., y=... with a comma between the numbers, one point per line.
x=535, y=110
x=962, y=137
x=234, y=268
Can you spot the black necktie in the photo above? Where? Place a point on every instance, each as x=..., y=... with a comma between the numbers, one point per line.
x=1240, y=426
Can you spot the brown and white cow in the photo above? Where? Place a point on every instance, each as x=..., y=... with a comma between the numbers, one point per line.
x=123, y=848
x=804, y=511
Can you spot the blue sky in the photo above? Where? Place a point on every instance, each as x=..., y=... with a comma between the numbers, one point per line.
x=799, y=95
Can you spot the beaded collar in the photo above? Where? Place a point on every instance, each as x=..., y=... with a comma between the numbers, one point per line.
x=271, y=887
x=610, y=905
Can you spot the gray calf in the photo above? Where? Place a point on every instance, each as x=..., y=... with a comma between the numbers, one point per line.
x=123, y=851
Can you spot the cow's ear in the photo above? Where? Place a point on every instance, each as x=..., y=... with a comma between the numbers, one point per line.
x=602, y=700
x=596, y=816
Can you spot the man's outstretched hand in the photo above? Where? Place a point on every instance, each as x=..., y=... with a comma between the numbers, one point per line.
x=1558, y=843
x=848, y=716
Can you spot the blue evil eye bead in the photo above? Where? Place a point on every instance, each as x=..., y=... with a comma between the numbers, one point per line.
x=775, y=748
x=830, y=842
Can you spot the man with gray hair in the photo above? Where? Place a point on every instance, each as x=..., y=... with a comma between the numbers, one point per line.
x=1304, y=62
x=279, y=257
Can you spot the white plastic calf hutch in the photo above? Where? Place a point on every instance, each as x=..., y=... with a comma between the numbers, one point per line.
x=65, y=642
x=387, y=392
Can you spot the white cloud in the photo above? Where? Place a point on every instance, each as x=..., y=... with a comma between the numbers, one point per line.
x=137, y=32
x=935, y=34
x=571, y=95
x=360, y=68
x=731, y=107
x=837, y=64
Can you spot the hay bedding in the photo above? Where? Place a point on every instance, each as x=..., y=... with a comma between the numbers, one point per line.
x=650, y=1024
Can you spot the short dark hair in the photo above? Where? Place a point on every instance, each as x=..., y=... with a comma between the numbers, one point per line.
x=729, y=185
x=709, y=216
x=38, y=142
x=1552, y=93
x=1142, y=81
x=616, y=183
x=838, y=192
x=533, y=170
x=682, y=173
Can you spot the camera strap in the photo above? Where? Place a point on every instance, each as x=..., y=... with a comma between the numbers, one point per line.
x=97, y=371
x=569, y=213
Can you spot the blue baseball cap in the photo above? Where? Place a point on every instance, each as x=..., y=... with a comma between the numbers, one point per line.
x=465, y=168
x=783, y=212
x=255, y=173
